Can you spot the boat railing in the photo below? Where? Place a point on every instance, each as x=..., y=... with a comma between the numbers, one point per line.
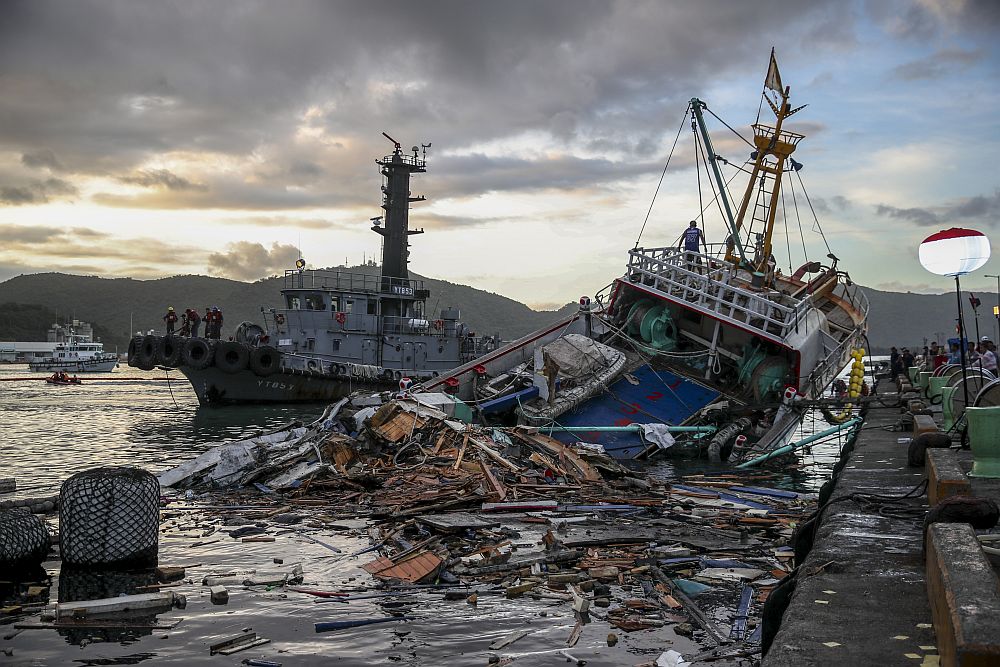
x=326, y=279
x=838, y=350
x=711, y=285
x=412, y=325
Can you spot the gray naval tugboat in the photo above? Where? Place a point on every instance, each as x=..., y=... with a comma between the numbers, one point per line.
x=336, y=332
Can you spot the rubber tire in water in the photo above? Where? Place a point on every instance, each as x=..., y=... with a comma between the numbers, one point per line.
x=168, y=352
x=231, y=357
x=265, y=360
x=145, y=354
x=197, y=353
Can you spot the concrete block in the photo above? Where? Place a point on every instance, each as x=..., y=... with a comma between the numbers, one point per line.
x=924, y=424
x=964, y=594
x=945, y=476
x=219, y=594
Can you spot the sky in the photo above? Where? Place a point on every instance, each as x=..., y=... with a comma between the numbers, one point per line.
x=155, y=138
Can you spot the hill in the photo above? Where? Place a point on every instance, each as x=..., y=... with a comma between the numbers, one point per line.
x=111, y=303
x=20, y=321
x=897, y=318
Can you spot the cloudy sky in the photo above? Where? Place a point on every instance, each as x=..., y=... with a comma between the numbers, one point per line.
x=145, y=139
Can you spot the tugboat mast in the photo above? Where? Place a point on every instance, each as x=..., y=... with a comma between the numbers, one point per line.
x=396, y=169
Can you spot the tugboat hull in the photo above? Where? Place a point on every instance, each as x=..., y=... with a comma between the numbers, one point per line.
x=215, y=387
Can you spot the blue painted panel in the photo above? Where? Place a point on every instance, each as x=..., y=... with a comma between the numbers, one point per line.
x=660, y=397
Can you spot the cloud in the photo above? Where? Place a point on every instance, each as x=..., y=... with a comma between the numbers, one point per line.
x=11, y=234
x=981, y=207
x=244, y=260
x=937, y=65
x=282, y=221
x=160, y=178
x=36, y=192
x=42, y=158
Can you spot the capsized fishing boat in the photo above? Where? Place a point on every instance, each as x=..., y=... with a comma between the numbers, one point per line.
x=335, y=331
x=77, y=354
x=706, y=351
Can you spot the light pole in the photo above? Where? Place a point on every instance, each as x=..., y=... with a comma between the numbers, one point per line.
x=956, y=252
x=996, y=310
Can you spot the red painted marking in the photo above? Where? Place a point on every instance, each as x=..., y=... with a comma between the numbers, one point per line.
x=624, y=421
x=655, y=396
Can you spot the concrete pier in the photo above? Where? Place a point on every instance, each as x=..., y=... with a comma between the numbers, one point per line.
x=869, y=592
x=861, y=595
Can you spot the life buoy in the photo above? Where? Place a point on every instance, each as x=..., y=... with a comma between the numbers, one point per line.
x=439, y=324
x=312, y=365
x=341, y=318
x=280, y=318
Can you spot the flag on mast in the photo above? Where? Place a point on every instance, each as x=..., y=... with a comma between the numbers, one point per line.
x=773, y=79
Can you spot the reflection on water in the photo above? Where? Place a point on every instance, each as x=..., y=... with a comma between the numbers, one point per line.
x=49, y=432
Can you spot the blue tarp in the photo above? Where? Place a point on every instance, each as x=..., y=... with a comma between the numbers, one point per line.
x=659, y=397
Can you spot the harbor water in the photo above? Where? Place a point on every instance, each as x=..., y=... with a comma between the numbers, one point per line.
x=153, y=420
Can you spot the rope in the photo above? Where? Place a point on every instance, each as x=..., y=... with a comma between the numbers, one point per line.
x=788, y=243
x=679, y=129
x=166, y=373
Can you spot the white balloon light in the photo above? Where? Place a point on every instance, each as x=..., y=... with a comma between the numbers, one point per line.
x=954, y=252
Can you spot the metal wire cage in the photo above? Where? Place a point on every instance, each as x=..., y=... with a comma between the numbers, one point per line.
x=110, y=516
x=24, y=539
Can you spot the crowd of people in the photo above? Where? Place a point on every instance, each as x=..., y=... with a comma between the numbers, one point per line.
x=191, y=322
x=982, y=356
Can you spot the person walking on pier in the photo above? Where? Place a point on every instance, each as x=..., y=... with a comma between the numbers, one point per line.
x=170, y=318
x=907, y=359
x=895, y=362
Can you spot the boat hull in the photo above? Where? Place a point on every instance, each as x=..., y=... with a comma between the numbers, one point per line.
x=215, y=387
x=74, y=366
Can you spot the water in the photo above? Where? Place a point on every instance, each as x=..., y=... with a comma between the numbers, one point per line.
x=49, y=432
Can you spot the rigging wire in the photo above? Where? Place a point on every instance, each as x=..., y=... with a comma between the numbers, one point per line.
x=802, y=236
x=701, y=153
x=731, y=128
x=788, y=242
x=815, y=217
x=697, y=170
x=670, y=155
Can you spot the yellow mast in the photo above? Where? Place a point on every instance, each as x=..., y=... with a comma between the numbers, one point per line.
x=774, y=146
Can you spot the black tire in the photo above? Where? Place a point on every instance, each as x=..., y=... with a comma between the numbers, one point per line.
x=168, y=352
x=265, y=360
x=197, y=353
x=145, y=354
x=231, y=357
x=133, y=348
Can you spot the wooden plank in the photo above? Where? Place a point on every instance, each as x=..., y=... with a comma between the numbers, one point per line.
x=456, y=521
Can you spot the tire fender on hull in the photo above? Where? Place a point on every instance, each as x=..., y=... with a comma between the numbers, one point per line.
x=197, y=353
x=231, y=357
x=265, y=360
x=145, y=354
x=168, y=352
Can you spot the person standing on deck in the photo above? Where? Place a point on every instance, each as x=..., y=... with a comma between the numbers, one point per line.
x=195, y=319
x=216, y=323
x=907, y=358
x=170, y=318
x=692, y=241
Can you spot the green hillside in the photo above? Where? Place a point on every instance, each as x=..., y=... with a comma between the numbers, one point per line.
x=110, y=303
x=22, y=321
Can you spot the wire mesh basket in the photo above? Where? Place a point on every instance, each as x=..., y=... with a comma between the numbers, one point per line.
x=110, y=516
x=24, y=539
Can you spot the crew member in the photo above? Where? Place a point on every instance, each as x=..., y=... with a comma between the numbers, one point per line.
x=195, y=319
x=217, y=317
x=692, y=241
x=185, y=324
x=170, y=318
